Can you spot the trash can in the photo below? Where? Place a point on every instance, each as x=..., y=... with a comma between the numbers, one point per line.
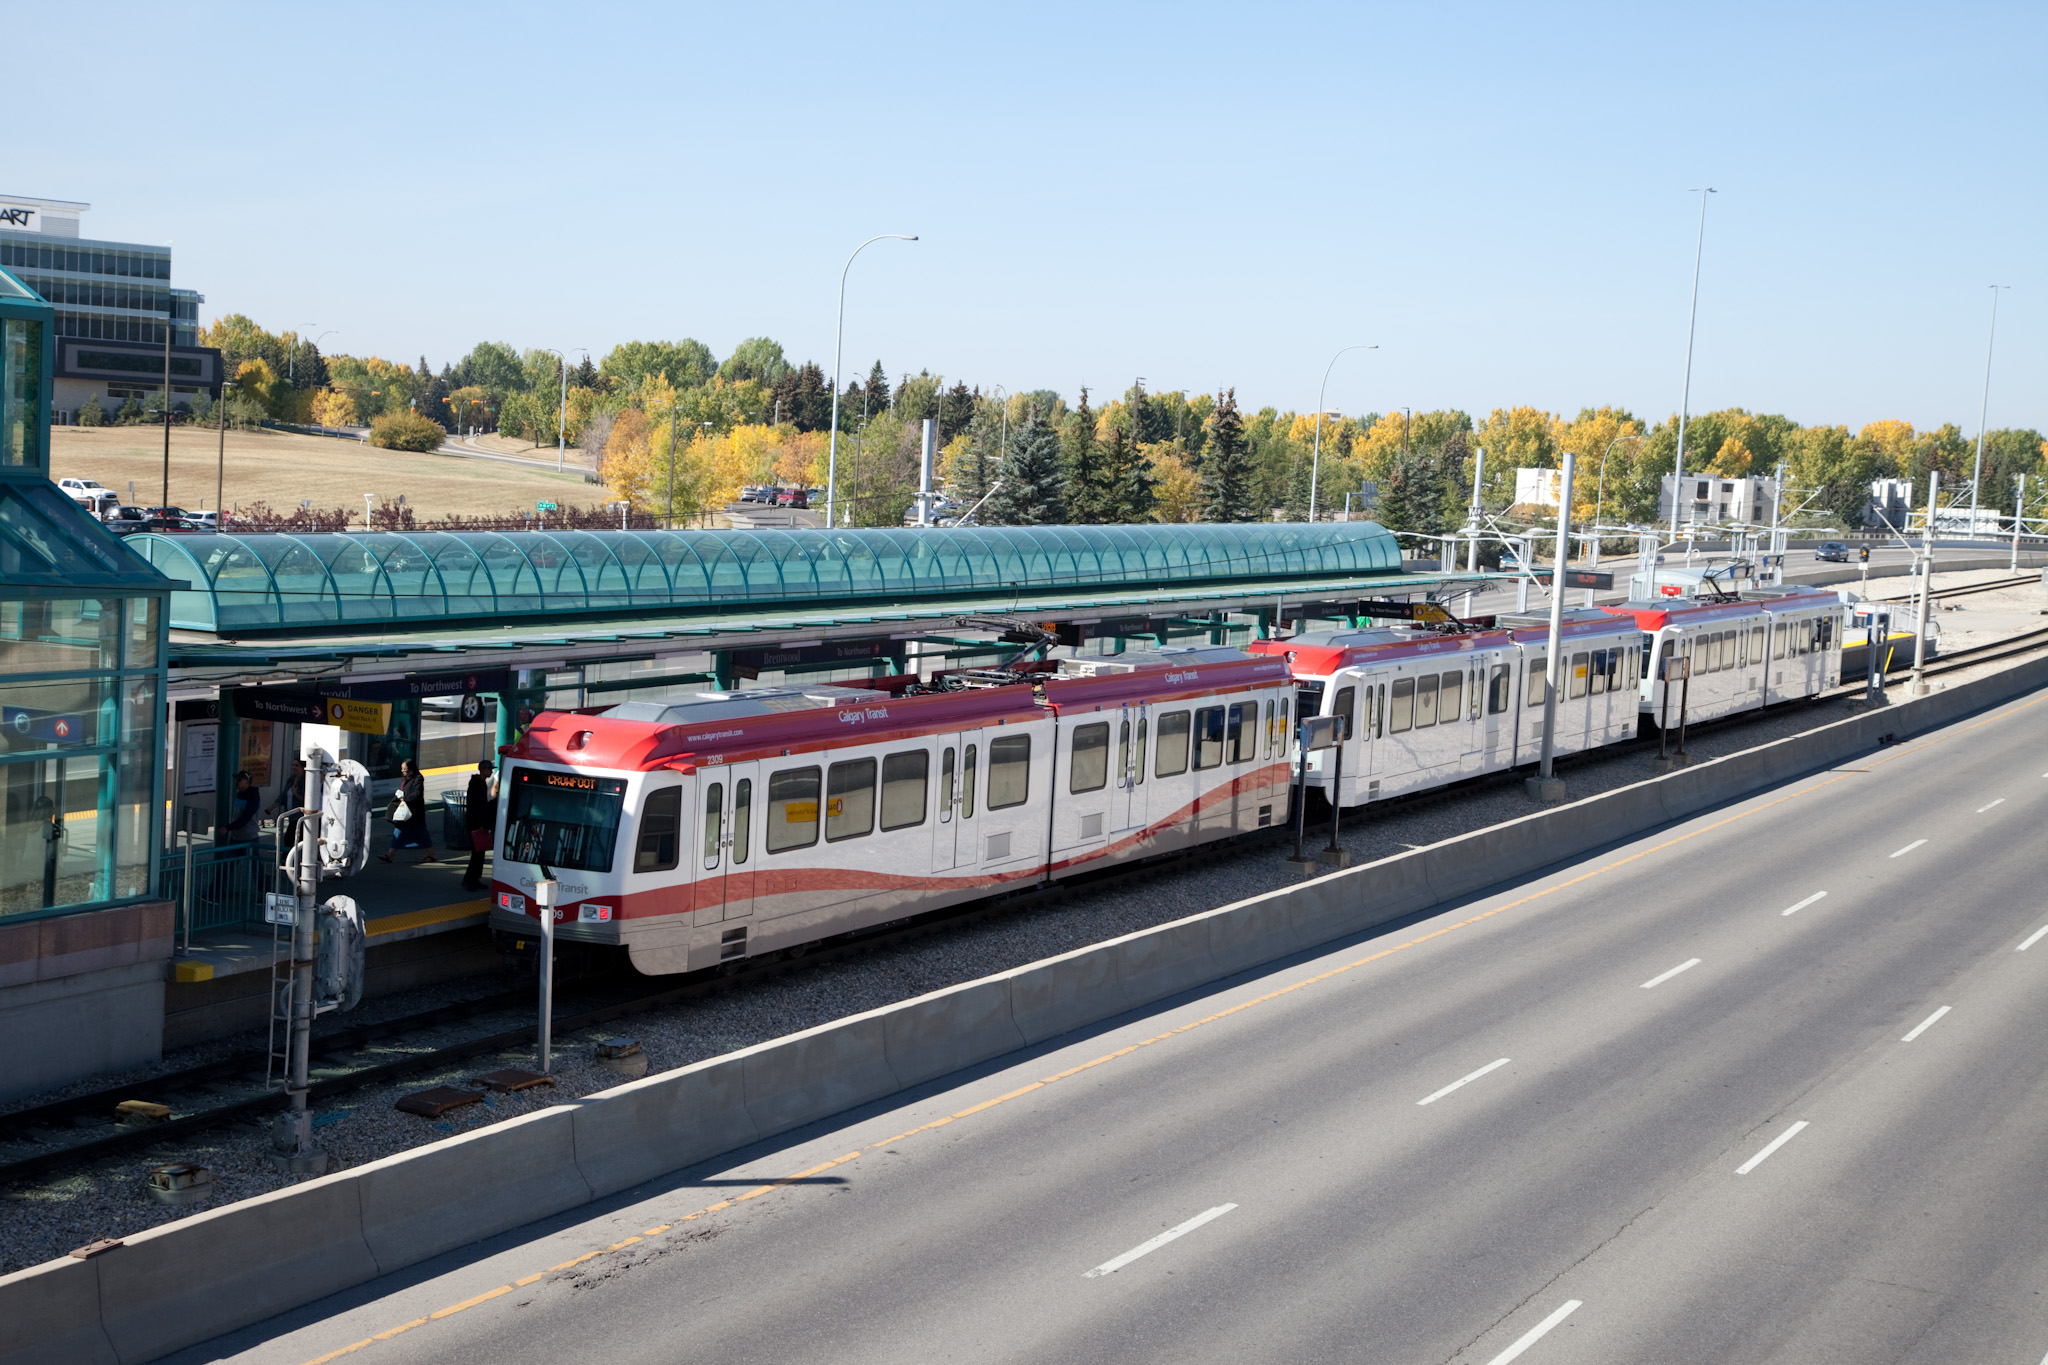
x=455, y=820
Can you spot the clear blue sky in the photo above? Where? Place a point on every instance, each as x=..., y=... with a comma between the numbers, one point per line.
x=1201, y=195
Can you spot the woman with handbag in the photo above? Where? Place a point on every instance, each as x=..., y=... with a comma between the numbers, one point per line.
x=480, y=818
x=409, y=814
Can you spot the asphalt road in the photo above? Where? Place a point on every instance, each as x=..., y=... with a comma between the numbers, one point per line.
x=1692, y=1099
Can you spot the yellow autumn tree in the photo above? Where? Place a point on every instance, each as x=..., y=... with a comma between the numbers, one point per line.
x=1520, y=438
x=1732, y=460
x=626, y=464
x=1375, y=454
x=333, y=408
x=1592, y=436
x=1889, y=437
x=1177, y=489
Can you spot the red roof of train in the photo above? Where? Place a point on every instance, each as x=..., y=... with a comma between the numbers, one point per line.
x=599, y=741
x=1322, y=660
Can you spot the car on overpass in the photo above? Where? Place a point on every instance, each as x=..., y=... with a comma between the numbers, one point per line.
x=1832, y=552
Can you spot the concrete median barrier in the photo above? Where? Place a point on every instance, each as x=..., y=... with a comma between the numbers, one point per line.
x=1164, y=960
x=938, y=1034
x=191, y=1280
x=50, y=1315
x=1067, y=992
x=816, y=1073
x=433, y=1199
x=662, y=1123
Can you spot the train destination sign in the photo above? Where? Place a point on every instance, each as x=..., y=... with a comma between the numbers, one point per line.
x=1578, y=578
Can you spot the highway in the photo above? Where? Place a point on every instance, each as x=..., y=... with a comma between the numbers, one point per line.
x=1766, y=1085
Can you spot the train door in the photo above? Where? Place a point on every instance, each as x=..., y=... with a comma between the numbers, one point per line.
x=1015, y=765
x=953, y=807
x=1127, y=770
x=1499, y=719
x=1083, y=791
x=727, y=842
x=1471, y=725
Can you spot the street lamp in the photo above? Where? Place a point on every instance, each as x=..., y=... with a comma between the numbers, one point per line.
x=1977, y=473
x=1315, y=468
x=562, y=414
x=1600, y=500
x=838, y=349
x=1692, y=320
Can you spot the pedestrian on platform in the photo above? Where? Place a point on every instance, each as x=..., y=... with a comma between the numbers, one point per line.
x=480, y=817
x=243, y=813
x=409, y=814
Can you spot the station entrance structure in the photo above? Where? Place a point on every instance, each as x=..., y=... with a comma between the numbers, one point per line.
x=440, y=646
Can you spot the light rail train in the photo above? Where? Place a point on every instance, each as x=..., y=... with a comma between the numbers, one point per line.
x=716, y=827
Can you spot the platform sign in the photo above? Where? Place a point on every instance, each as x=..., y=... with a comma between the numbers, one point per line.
x=1321, y=732
x=1402, y=611
x=1579, y=578
x=359, y=717
x=42, y=727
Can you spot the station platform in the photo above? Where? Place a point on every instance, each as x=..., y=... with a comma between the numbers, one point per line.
x=424, y=928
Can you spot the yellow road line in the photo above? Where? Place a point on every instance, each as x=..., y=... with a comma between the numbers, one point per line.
x=1238, y=1008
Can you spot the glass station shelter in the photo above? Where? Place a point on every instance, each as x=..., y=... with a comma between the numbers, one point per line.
x=81, y=670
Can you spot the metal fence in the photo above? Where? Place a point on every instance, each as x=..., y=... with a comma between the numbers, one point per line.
x=228, y=882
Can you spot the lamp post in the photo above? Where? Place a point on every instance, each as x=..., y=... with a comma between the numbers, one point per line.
x=1600, y=498
x=1691, y=326
x=220, y=473
x=1315, y=467
x=1984, y=408
x=838, y=350
x=562, y=413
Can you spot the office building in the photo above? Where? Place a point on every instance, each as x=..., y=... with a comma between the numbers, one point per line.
x=1708, y=499
x=113, y=301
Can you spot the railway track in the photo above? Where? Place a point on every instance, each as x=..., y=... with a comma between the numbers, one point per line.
x=1939, y=594
x=81, y=1128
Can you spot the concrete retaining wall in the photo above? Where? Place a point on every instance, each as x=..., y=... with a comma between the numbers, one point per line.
x=194, y=1279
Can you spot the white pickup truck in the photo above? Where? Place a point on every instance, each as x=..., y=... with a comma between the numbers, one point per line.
x=91, y=496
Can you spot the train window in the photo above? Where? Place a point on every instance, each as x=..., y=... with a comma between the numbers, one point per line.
x=903, y=783
x=1208, y=737
x=792, y=809
x=742, y=818
x=1577, y=682
x=714, y=823
x=1241, y=738
x=1742, y=649
x=1778, y=640
x=1285, y=737
x=1538, y=684
x=850, y=799
x=1717, y=652
x=1123, y=754
x=1347, y=707
x=1451, y=697
x=1599, y=677
x=1172, y=759
x=1403, y=706
x=1009, y=771
x=1139, y=766
x=563, y=819
x=660, y=825
x=1498, y=685
x=1088, y=767
x=1616, y=669
x=967, y=782
x=1269, y=728
x=1380, y=715
x=946, y=784
x=1756, y=644
x=1425, y=701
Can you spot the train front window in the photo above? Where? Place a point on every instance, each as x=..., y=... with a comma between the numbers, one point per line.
x=1346, y=706
x=563, y=820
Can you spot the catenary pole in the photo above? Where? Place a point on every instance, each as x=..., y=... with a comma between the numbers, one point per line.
x=838, y=354
x=1926, y=583
x=1553, y=672
x=1691, y=327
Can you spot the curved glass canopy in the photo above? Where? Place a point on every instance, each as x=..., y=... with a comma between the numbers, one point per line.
x=276, y=581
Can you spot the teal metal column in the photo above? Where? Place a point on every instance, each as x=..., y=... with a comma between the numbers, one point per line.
x=227, y=759
x=721, y=670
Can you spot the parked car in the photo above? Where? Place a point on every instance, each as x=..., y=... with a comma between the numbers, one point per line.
x=126, y=521
x=755, y=493
x=208, y=520
x=171, y=519
x=1832, y=552
x=92, y=496
x=792, y=497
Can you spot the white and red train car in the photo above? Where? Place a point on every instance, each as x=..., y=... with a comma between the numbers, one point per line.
x=1426, y=707
x=724, y=825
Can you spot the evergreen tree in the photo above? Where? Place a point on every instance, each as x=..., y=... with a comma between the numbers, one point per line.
x=584, y=376
x=956, y=410
x=876, y=392
x=1413, y=494
x=1030, y=490
x=311, y=368
x=1126, y=481
x=986, y=448
x=1081, y=467
x=433, y=398
x=1229, y=477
